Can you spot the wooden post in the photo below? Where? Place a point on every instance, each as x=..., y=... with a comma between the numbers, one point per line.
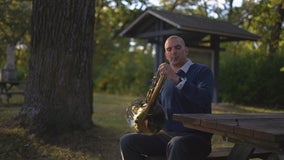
x=159, y=46
x=215, y=42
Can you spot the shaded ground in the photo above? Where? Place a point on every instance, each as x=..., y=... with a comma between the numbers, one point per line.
x=95, y=143
x=98, y=143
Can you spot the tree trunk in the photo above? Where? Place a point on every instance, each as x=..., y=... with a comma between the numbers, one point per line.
x=59, y=94
x=276, y=29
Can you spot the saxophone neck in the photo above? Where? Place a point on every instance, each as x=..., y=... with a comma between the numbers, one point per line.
x=152, y=94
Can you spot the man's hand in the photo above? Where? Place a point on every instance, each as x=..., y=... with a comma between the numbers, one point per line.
x=166, y=70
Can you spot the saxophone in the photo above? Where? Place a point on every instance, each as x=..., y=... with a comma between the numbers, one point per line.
x=145, y=115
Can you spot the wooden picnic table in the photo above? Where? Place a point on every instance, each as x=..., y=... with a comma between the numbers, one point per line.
x=6, y=86
x=256, y=130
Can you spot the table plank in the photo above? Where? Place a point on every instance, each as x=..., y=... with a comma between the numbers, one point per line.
x=265, y=129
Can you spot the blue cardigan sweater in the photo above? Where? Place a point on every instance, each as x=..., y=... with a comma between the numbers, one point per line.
x=194, y=97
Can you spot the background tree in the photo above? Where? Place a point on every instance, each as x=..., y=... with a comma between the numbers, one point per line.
x=123, y=65
x=119, y=66
x=14, y=35
x=266, y=19
x=59, y=91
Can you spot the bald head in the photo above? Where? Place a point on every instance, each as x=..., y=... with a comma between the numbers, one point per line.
x=175, y=37
x=176, y=51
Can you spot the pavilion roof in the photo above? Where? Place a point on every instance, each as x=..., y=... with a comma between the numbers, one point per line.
x=153, y=23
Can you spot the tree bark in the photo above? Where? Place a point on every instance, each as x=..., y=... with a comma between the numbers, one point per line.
x=59, y=92
x=276, y=29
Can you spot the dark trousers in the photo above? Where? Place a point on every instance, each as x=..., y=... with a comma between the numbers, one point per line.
x=135, y=146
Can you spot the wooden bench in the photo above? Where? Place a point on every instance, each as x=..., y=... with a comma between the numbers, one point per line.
x=10, y=93
x=224, y=153
x=10, y=88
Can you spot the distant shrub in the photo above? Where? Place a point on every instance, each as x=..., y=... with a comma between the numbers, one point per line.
x=252, y=78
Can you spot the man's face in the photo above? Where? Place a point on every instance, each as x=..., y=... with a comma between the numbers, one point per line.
x=175, y=52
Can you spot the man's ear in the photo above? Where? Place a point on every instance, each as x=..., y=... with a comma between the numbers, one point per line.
x=187, y=50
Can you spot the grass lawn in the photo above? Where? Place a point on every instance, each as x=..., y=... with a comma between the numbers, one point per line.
x=99, y=143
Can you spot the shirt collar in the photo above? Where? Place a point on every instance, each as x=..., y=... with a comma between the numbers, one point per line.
x=186, y=66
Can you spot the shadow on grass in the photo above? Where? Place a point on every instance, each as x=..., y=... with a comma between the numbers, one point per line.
x=96, y=143
x=101, y=142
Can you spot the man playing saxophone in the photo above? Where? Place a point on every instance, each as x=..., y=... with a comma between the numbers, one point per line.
x=187, y=89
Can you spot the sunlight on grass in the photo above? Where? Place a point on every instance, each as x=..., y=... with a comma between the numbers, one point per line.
x=109, y=110
x=259, y=110
x=8, y=112
x=98, y=143
x=231, y=108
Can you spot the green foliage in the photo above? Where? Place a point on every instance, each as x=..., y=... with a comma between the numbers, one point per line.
x=282, y=69
x=253, y=78
x=264, y=18
x=113, y=76
x=22, y=59
x=117, y=69
x=14, y=27
x=126, y=73
x=14, y=20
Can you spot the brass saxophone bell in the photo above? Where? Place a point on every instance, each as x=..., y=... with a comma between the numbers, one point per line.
x=155, y=120
x=133, y=111
x=146, y=115
x=145, y=122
